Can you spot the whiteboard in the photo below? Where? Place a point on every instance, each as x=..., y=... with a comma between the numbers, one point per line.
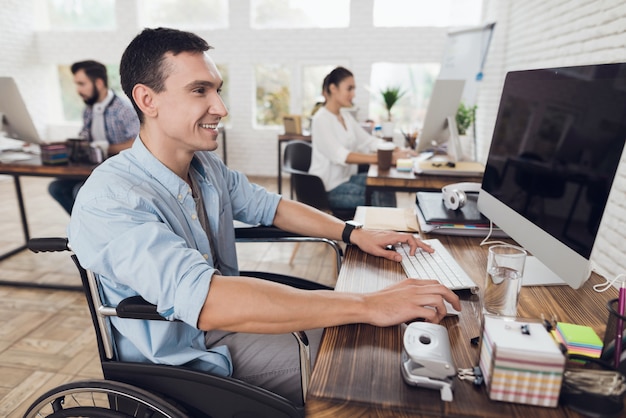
x=464, y=58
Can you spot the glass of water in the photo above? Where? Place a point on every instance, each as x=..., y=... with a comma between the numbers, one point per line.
x=505, y=268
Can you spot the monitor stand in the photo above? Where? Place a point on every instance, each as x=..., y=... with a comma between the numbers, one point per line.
x=455, y=153
x=537, y=274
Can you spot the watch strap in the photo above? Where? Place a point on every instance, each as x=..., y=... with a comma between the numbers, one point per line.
x=347, y=231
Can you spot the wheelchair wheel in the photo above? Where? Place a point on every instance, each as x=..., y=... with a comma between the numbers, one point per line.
x=101, y=399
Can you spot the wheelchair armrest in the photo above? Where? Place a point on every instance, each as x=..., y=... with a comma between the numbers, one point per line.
x=136, y=307
x=261, y=232
x=39, y=245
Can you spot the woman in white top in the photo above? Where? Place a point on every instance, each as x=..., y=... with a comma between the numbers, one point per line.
x=340, y=144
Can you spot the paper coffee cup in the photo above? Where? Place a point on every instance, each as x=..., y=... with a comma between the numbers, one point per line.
x=385, y=154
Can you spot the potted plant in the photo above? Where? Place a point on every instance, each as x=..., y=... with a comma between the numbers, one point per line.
x=465, y=117
x=390, y=96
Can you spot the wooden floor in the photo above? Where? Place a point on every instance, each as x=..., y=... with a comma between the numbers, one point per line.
x=46, y=336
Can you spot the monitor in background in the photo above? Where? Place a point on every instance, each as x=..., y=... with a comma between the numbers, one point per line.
x=16, y=121
x=444, y=102
x=556, y=147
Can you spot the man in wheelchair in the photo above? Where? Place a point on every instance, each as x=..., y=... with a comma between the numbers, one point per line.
x=157, y=221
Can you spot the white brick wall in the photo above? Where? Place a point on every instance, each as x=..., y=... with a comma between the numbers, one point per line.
x=528, y=34
x=536, y=34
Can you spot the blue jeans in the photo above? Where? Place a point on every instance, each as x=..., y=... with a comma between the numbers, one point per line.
x=64, y=191
x=351, y=194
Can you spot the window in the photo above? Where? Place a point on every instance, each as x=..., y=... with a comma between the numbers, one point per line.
x=184, y=14
x=292, y=14
x=416, y=79
x=272, y=94
x=74, y=14
x=439, y=13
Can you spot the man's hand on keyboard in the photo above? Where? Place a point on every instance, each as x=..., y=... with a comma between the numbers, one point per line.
x=380, y=243
x=408, y=300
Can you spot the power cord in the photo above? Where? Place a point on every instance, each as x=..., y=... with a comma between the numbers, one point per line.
x=602, y=287
x=486, y=241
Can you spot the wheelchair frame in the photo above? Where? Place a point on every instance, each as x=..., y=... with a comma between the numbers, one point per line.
x=156, y=390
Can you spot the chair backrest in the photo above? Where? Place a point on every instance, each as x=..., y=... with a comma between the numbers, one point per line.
x=308, y=188
x=297, y=156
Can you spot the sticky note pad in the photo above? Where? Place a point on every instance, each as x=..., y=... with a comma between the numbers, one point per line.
x=579, y=335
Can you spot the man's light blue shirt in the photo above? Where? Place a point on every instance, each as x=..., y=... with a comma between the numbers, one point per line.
x=135, y=225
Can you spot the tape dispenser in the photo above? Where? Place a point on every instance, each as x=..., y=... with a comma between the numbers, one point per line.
x=426, y=358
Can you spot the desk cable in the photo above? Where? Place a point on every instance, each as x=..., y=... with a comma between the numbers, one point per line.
x=602, y=287
x=486, y=241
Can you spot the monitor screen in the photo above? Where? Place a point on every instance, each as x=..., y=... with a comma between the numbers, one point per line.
x=556, y=146
x=16, y=120
x=444, y=102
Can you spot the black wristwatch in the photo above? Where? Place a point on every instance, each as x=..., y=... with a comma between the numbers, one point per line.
x=347, y=230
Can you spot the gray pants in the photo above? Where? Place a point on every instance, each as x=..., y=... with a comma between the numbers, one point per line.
x=267, y=360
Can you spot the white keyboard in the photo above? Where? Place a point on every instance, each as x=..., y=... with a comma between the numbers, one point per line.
x=438, y=266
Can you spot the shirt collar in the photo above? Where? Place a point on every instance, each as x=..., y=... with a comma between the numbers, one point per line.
x=100, y=106
x=160, y=172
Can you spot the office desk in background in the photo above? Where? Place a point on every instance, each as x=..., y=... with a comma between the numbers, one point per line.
x=357, y=372
x=403, y=181
x=34, y=168
x=283, y=139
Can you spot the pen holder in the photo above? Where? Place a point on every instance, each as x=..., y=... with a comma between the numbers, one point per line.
x=608, y=349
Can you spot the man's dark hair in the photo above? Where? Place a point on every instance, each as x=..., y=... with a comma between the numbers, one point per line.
x=143, y=61
x=93, y=70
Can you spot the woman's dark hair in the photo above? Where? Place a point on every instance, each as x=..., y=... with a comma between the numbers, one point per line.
x=143, y=61
x=335, y=77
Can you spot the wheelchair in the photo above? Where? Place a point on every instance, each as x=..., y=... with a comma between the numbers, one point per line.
x=164, y=391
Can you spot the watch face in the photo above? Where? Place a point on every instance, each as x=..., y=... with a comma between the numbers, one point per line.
x=355, y=224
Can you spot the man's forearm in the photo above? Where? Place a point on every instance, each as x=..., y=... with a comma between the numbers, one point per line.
x=296, y=217
x=243, y=304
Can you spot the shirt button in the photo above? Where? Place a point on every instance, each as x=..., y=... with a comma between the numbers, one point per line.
x=206, y=256
x=180, y=197
x=194, y=217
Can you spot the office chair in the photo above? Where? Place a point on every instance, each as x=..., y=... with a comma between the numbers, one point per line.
x=309, y=189
x=132, y=389
x=260, y=233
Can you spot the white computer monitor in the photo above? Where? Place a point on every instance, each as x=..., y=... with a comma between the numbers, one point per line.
x=557, y=143
x=444, y=102
x=16, y=121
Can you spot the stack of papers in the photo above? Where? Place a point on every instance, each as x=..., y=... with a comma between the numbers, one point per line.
x=388, y=219
x=435, y=218
x=579, y=339
x=447, y=168
x=521, y=362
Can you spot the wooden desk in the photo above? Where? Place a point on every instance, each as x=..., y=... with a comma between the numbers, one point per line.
x=357, y=372
x=281, y=140
x=403, y=181
x=34, y=168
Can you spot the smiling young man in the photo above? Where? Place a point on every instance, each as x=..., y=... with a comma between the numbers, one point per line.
x=157, y=221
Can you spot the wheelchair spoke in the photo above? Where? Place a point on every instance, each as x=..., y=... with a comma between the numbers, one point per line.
x=101, y=399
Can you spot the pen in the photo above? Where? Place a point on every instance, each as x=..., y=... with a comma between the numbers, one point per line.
x=621, y=310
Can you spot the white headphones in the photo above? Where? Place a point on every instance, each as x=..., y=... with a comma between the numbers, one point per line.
x=453, y=195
